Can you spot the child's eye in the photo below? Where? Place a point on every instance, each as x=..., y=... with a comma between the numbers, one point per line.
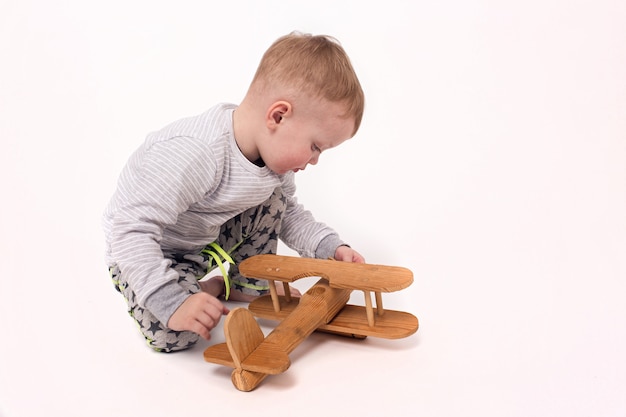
x=315, y=148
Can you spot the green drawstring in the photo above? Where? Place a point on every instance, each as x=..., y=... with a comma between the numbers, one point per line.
x=218, y=254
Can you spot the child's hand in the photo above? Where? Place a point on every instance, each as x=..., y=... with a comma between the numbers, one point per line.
x=347, y=254
x=199, y=313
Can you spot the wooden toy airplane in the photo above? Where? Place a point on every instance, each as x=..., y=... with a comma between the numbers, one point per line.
x=323, y=307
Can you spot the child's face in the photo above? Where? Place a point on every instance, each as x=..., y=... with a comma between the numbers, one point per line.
x=302, y=134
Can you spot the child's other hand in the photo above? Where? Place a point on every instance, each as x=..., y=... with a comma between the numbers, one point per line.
x=199, y=313
x=347, y=254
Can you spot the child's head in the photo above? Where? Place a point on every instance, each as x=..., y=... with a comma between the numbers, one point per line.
x=316, y=66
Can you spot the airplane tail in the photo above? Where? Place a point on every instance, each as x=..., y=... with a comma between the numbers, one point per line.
x=253, y=360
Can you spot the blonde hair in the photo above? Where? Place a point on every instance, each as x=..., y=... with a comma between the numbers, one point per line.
x=316, y=65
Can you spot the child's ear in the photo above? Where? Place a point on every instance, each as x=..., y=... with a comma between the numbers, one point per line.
x=277, y=112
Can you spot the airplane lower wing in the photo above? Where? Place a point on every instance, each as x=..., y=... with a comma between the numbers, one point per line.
x=350, y=321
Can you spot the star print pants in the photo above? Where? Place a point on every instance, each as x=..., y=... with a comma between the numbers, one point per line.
x=253, y=232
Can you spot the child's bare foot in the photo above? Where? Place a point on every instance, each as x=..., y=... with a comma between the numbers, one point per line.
x=292, y=290
x=213, y=286
x=246, y=298
x=239, y=296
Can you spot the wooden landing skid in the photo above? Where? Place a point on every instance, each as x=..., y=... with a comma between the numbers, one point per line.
x=323, y=306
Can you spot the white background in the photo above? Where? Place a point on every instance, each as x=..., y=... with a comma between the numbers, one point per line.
x=491, y=162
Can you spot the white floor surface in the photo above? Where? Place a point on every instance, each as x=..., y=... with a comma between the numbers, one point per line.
x=491, y=162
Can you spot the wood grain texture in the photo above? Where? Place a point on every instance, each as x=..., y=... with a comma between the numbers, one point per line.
x=254, y=357
x=323, y=307
x=348, y=275
x=351, y=321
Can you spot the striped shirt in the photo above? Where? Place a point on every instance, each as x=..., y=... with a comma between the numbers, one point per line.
x=176, y=191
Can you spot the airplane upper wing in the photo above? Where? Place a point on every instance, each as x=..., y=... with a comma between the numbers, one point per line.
x=348, y=275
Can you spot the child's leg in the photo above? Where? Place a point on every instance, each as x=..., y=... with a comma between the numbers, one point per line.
x=253, y=232
x=158, y=336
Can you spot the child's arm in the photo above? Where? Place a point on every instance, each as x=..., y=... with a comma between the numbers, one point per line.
x=158, y=184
